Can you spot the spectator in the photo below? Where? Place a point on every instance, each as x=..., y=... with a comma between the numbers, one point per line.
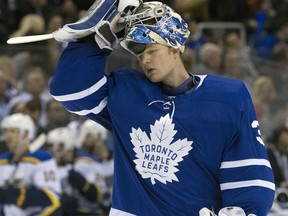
x=280, y=53
x=34, y=86
x=210, y=57
x=31, y=24
x=33, y=108
x=7, y=65
x=39, y=7
x=197, y=8
x=232, y=39
x=188, y=58
x=235, y=66
x=264, y=92
x=278, y=155
x=280, y=7
x=7, y=92
x=264, y=96
x=196, y=39
x=69, y=11
x=55, y=21
x=277, y=32
x=57, y=116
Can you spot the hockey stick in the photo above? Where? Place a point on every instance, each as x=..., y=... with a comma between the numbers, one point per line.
x=28, y=39
x=33, y=147
x=72, y=31
x=106, y=9
x=37, y=143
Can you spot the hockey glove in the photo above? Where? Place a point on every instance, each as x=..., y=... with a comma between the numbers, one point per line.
x=69, y=204
x=105, y=37
x=88, y=190
x=9, y=195
x=99, y=11
x=76, y=179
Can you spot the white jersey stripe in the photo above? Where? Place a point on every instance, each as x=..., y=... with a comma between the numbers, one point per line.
x=202, y=77
x=116, y=212
x=81, y=94
x=250, y=183
x=95, y=110
x=247, y=162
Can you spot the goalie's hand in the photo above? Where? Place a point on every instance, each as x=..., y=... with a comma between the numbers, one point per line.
x=118, y=24
x=105, y=37
x=105, y=33
x=73, y=32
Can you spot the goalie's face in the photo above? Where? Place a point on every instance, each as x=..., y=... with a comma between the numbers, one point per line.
x=159, y=63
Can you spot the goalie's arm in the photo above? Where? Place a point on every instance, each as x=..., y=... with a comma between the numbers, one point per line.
x=246, y=178
x=79, y=82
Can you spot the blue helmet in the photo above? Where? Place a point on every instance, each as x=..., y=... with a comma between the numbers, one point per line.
x=154, y=22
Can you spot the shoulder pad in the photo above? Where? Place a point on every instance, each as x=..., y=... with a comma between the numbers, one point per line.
x=37, y=157
x=85, y=156
x=4, y=157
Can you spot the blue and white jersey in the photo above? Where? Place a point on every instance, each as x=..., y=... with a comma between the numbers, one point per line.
x=93, y=171
x=173, y=155
x=37, y=175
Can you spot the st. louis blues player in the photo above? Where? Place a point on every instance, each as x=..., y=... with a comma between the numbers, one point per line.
x=182, y=142
x=29, y=183
x=82, y=181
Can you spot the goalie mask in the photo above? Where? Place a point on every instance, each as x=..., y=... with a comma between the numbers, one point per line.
x=155, y=23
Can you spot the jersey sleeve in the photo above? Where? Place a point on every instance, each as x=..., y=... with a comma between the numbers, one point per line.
x=246, y=177
x=80, y=83
x=46, y=188
x=31, y=197
x=45, y=198
x=93, y=187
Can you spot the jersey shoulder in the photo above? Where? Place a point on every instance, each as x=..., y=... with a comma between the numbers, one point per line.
x=5, y=157
x=84, y=156
x=37, y=157
x=125, y=73
x=221, y=89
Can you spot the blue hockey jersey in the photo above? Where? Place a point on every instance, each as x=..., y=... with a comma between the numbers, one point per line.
x=173, y=155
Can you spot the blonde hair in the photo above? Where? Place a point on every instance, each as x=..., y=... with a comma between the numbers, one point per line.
x=264, y=89
x=31, y=23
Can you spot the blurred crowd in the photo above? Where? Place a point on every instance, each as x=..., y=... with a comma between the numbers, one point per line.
x=239, y=39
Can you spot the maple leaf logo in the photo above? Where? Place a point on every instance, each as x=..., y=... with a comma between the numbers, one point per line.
x=157, y=156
